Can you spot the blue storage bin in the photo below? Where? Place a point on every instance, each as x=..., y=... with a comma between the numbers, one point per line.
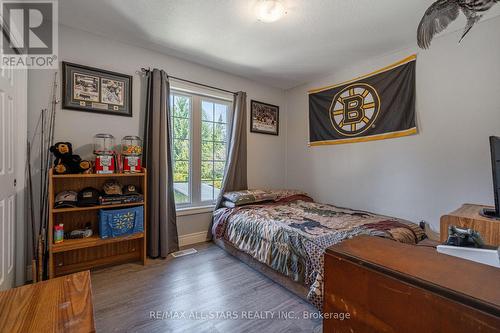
x=120, y=222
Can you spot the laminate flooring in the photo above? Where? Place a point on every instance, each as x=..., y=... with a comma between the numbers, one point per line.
x=210, y=291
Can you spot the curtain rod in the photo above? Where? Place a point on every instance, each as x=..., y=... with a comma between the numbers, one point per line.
x=193, y=82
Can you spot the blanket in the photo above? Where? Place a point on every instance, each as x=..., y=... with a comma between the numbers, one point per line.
x=292, y=234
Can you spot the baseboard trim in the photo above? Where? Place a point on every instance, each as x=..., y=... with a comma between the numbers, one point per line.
x=194, y=238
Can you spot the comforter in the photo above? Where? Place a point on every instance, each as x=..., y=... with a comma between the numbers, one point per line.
x=291, y=235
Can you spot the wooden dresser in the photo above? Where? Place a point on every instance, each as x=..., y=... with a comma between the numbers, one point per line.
x=468, y=216
x=386, y=286
x=62, y=304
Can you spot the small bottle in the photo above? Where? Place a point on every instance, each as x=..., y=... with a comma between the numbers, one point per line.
x=59, y=233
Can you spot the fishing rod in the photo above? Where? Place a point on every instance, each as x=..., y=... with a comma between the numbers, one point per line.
x=41, y=201
x=48, y=162
x=32, y=213
x=46, y=127
x=34, y=232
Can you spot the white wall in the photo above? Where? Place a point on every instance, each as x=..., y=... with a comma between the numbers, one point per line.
x=266, y=154
x=417, y=177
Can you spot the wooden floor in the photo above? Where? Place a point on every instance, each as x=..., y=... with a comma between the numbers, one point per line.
x=210, y=283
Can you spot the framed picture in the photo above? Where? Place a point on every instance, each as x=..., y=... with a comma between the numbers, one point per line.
x=95, y=90
x=264, y=118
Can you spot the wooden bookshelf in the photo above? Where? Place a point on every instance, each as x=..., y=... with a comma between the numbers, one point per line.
x=73, y=255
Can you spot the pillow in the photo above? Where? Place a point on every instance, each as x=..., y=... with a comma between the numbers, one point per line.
x=228, y=204
x=249, y=196
x=252, y=196
x=281, y=194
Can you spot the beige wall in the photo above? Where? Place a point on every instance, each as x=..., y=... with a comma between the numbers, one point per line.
x=418, y=177
x=266, y=154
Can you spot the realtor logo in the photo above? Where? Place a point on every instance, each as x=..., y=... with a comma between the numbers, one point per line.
x=29, y=34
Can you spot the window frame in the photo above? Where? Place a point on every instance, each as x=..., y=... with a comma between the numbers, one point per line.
x=195, y=147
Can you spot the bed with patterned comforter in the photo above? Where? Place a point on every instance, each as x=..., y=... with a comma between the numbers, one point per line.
x=291, y=234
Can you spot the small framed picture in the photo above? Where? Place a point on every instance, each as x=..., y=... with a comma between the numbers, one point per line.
x=96, y=90
x=264, y=118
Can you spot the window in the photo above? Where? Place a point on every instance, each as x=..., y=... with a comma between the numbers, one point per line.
x=181, y=122
x=200, y=135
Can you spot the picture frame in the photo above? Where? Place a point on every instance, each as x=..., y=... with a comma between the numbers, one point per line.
x=264, y=118
x=96, y=90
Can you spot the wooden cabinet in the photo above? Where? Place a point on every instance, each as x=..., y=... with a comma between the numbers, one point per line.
x=75, y=255
x=468, y=216
x=386, y=286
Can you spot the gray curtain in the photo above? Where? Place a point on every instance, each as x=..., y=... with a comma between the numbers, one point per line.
x=235, y=175
x=161, y=216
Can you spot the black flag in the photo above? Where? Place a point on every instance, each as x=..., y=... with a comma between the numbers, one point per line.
x=377, y=106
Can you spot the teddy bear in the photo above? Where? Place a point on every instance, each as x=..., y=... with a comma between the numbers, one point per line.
x=67, y=163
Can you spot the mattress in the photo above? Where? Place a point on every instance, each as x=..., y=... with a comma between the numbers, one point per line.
x=291, y=235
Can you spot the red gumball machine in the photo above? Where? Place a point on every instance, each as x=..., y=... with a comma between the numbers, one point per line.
x=104, y=153
x=131, y=152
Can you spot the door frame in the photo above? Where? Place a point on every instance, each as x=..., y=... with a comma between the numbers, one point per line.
x=20, y=77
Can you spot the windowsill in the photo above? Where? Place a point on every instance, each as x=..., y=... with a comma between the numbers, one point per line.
x=186, y=211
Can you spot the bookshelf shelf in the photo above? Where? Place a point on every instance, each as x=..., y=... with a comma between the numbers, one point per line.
x=102, y=175
x=81, y=243
x=80, y=209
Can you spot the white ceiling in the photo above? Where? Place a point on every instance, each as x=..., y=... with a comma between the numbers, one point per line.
x=315, y=37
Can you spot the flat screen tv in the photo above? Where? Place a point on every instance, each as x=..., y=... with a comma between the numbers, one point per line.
x=495, y=164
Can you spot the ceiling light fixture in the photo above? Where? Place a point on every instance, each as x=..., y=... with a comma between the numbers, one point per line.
x=270, y=10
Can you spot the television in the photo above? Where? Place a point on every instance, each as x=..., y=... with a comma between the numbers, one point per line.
x=495, y=164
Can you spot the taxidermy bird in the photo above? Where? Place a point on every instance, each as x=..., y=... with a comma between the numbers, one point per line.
x=443, y=12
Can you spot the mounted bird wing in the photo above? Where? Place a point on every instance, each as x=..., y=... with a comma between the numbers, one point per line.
x=472, y=18
x=436, y=19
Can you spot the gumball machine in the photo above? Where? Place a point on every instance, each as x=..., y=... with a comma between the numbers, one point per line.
x=131, y=152
x=104, y=153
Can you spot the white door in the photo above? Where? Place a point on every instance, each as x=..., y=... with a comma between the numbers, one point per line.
x=12, y=153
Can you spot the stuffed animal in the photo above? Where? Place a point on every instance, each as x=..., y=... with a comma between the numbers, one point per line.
x=67, y=163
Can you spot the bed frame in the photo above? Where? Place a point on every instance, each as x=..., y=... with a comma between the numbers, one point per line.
x=284, y=281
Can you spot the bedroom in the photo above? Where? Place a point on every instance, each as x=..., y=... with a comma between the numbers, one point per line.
x=209, y=52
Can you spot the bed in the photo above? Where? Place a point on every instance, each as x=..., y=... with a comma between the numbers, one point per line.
x=285, y=233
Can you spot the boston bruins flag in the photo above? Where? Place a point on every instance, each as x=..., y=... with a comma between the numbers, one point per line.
x=377, y=106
